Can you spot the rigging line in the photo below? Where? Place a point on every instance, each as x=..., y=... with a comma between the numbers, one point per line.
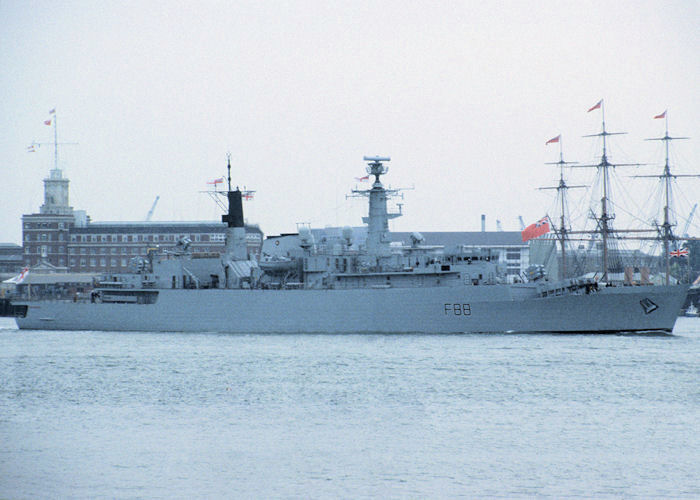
x=622, y=209
x=629, y=198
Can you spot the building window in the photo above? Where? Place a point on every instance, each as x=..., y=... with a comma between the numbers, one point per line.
x=82, y=262
x=103, y=250
x=83, y=251
x=103, y=262
x=113, y=262
x=123, y=262
x=61, y=225
x=72, y=262
x=73, y=238
x=93, y=238
x=43, y=237
x=61, y=249
x=27, y=238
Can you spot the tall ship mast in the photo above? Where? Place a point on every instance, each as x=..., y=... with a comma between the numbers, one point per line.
x=562, y=189
x=667, y=177
x=604, y=220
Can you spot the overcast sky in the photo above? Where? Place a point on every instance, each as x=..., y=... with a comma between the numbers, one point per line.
x=461, y=95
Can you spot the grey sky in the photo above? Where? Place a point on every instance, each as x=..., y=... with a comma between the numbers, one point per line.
x=461, y=95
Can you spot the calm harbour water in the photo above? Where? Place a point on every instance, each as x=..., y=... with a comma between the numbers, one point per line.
x=170, y=415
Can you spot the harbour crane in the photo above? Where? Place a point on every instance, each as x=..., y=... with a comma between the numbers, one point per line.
x=688, y=221
x=153, y=207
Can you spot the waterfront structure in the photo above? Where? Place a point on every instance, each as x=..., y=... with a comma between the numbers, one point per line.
x=11, y=260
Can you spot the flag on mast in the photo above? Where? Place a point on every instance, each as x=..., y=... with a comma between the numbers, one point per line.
x=596, y=106
x=220, y=180
x=537, y=229
x=47, y=122
x=553, y=139
x=662, y=115
x=680, y=252
x=53, y=111
x=362, y=179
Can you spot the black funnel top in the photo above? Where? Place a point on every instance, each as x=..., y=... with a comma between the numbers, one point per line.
x=234, y=217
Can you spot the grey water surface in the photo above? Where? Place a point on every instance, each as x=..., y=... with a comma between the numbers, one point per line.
x=171, y=415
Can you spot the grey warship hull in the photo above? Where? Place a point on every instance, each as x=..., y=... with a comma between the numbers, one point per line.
x=497, y=308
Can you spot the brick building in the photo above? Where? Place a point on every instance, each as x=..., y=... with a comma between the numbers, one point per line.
x=64, y=237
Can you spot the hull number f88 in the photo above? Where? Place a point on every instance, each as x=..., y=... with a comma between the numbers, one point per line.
x=458, y=309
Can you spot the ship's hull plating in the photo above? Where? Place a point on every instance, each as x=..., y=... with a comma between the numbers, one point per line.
x=392, y=310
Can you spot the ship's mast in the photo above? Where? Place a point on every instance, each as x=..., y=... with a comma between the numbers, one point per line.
x=561, y=193
x=667, y=177
x=378, y=217
x=606, y=217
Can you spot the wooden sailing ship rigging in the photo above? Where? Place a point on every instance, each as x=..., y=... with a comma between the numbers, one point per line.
x=609, y=236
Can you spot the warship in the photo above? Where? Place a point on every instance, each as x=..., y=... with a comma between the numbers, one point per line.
x=344, y=285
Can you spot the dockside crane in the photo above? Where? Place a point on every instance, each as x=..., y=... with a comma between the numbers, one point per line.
x=153, y=207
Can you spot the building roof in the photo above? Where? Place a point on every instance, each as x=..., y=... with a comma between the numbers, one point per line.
x=157, y=227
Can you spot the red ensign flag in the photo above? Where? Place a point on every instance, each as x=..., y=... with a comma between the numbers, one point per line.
x=537, y=229
x=596, y=106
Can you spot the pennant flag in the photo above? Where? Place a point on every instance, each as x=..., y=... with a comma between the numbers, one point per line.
x=248, y=196
x=537, y=229
x=362, y=179
x=597, y=106
x=680, y=252
x=31, y=149
x=53, y=111
x=47, y=122
x=553, y=139
x=662, y=115
x=220, y=180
